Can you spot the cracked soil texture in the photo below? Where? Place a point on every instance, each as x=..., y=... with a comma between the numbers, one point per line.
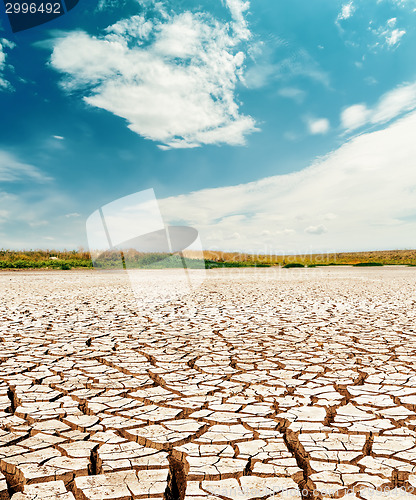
x=297, y=383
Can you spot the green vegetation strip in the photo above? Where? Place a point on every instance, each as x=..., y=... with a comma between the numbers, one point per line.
x=368, y=264
x=131, y=259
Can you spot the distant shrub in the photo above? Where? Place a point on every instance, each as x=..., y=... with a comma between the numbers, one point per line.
x=20, y=264
x=65, y=267
x=212, y=264
x=293, y=264
x=368, y=264
x=324, y=264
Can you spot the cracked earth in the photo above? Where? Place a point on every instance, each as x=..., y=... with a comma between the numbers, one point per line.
x=261, y=384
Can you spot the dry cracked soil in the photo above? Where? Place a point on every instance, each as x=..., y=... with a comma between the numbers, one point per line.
x=296, y=383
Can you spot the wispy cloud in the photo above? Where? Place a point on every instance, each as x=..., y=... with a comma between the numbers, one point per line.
x=376, y=27
x=321, y=229
x=361, y=196
x=302, y=64
x=12, y=170
x=402, y=3
x=298, y=65
x=5, y=46
x=34, y=214
x=110, y=4
x=173, y=78
x=30, y=204
x=389, y=35
x=393, y=103
x=294, y=93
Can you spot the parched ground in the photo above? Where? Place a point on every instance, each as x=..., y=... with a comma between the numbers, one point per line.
x=262, y=384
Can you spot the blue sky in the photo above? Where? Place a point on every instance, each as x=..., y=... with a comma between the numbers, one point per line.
x=269, y=126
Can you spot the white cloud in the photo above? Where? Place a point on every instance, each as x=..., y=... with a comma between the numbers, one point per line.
x=384, y=35
x=394, y=37
x=233, y=236
x=35, y=212
x=361, y=196
x=31, y=209
x=285, y=232
x=264, y=70
x=238, y=8
x=319, y=126
x=301, y=64
x=38, y=223
x=389, y=34
x=173, y=78
x=12, y=170
x=109, y=4
x=321, y=229
x=294, y=93
x=2, y=56
x=59, y=137
x=4, y=214
x=347, y=11
x=402, y=3
x=5, y=45
x=354, y=116
x=393, y=103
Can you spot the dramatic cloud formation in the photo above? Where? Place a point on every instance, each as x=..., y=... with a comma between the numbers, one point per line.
x=362, y=196
x=173, y=77
x=391, y=104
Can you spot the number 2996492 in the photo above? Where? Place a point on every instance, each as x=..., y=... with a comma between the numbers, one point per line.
x=33, y=8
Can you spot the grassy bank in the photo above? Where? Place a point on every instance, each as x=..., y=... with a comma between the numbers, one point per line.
x=79, y=259
x=383, y=257
x=44, y=259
